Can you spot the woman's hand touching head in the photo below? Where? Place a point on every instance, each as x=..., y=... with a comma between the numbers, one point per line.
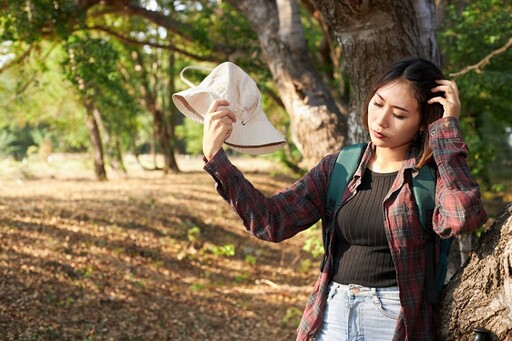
x=450, y=101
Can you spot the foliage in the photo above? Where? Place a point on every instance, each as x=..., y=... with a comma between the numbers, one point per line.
x=7, y=143
x=227, y=250
x=35, y=96
x=194, y=234
x=31, y=21
x=250, y=260
x=191, y=133
x=92, y=65
x=292, y=317
x=18, y=141
x=469, y=35
x=313, y=242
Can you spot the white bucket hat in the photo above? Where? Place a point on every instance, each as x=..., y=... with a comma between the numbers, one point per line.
x=252, y=132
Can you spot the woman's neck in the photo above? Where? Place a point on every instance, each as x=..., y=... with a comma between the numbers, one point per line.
x=387, y=160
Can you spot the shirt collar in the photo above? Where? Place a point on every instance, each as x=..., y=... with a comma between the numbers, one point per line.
x=409, y=161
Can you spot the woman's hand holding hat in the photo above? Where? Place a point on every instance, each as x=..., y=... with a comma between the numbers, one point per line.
x=218, y=125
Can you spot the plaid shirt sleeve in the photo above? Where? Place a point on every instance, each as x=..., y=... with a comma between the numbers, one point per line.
x=279, y=216
x=458, y=205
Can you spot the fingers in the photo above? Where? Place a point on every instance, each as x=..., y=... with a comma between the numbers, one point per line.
x=219, y=117
x=228, y=133
x=450, y=100
x=218, y=109
x=445, y=84
x=218, y=126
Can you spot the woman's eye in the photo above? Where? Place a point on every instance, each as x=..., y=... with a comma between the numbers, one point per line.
x=378, y=105
x=398, y=116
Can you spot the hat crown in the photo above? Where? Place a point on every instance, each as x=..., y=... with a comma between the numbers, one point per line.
x=230, y=82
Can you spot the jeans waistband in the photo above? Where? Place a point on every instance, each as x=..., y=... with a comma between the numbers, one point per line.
x=361, y=290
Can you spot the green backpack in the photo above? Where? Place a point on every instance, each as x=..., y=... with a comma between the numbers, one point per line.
x=424, y=189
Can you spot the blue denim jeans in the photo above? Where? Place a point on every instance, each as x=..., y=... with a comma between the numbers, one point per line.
x=358, y=313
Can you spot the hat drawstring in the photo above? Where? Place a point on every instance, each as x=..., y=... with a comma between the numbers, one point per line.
x=196, y=67
x=241, y=113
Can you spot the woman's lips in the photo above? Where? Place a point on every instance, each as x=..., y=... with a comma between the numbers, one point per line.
x=378, y=135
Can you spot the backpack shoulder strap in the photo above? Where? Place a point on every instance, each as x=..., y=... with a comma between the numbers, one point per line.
x=344, y=169
x=424, y=189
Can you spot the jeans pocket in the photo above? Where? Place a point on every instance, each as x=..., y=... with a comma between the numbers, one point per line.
x=333, y=290
x=388, y=304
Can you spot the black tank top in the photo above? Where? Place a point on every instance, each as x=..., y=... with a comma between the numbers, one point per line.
x=362, y=254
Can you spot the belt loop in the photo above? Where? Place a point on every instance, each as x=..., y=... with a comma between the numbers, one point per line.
x=375, y=297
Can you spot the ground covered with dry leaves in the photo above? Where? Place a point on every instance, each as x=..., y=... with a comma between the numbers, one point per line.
x=141, y=257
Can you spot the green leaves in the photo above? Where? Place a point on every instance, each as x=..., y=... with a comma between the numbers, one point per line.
x=470, y=35
x=30, y=21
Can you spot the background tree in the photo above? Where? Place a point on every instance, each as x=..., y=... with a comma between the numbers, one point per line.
x=92, y=67
x=154, y=94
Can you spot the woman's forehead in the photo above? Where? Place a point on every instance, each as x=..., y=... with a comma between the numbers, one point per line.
x=399, y=94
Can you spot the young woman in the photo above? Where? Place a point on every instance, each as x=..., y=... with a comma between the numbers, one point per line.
x=372, y=284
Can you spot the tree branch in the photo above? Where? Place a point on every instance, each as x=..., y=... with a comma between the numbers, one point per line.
x=18, y=60
x=477, y=67
x=129, y=8
x=157, y=45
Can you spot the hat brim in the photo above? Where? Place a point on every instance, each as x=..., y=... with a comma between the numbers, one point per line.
x=255, y=137
x=194, y=102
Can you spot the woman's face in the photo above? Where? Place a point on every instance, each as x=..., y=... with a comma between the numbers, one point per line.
x=393, y=117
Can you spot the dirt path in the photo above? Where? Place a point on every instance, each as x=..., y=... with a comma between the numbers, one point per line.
x=143, y=257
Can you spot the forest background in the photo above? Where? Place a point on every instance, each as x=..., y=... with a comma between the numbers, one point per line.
x=86, y=94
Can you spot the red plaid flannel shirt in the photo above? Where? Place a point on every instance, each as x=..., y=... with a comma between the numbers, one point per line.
x=289, y=211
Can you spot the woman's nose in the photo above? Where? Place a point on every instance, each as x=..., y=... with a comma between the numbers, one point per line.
x=382, y=117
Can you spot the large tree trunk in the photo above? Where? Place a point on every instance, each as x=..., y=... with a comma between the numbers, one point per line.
x=317, y=125
x=480, y=294
x=373, y=35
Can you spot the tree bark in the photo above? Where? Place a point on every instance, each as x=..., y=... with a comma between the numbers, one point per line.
x=317, y=125
x=97, y=147
x=373, y=34
x=112, y=147
x=164, y=129
x=480, y=294
x=170, y=108
x=164, y=137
